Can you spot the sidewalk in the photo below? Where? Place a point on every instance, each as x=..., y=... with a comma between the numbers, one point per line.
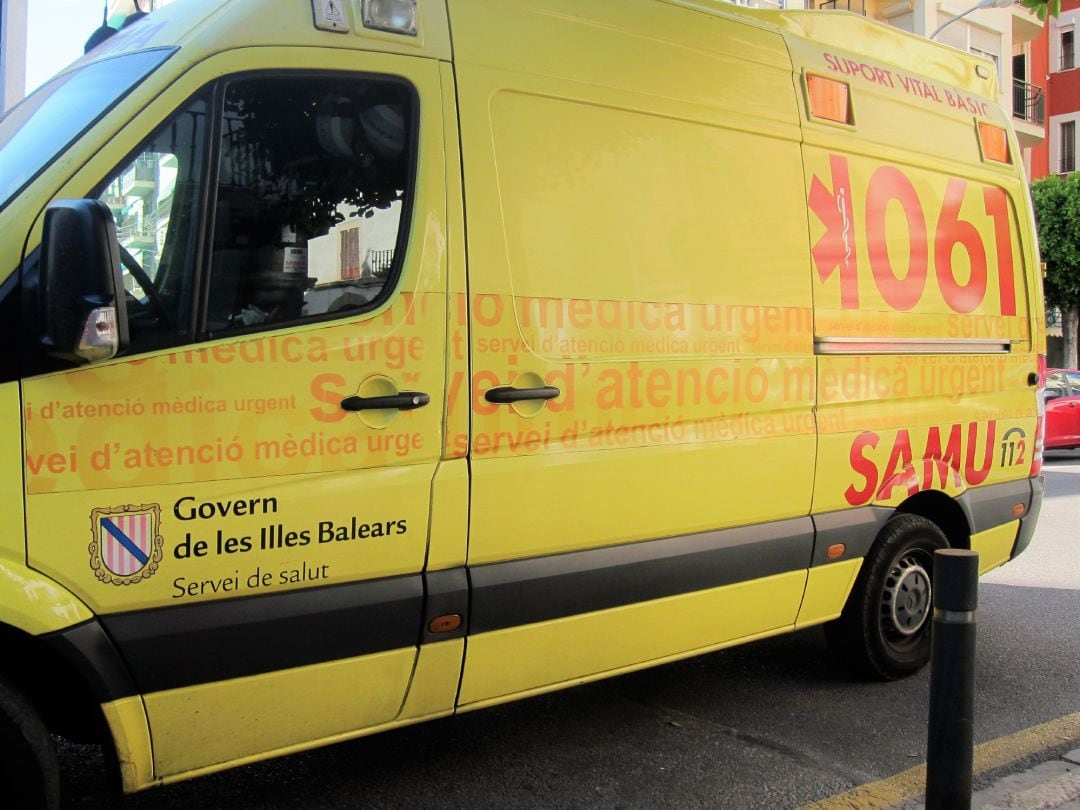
x=1052, y=784
x=1055, y=783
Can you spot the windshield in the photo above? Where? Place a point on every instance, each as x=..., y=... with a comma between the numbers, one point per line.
x=35, y=131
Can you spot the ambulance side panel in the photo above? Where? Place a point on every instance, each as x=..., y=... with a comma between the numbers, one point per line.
x=924, y=312
x=636, y=242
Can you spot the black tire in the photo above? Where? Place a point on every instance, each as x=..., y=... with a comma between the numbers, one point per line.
x=29, y=772
x=884, y=630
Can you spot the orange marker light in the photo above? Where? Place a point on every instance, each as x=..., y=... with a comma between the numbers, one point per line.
x=828, y=99
x=994, y=142
x=445, y=624
x=836, y=550
x=1019, y=510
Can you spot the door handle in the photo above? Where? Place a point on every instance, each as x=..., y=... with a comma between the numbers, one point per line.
x=403, y=401
x=507, y=394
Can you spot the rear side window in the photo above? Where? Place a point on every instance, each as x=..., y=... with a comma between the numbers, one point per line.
x=287, y=203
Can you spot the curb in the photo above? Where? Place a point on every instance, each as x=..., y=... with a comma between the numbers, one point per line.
x=1051, y=784
x=904, y=791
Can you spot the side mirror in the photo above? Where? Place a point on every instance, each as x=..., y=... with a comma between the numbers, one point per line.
x=81, y=288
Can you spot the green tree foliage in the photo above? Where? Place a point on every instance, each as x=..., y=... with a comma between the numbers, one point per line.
x=1057, y=212
x=1043, y=8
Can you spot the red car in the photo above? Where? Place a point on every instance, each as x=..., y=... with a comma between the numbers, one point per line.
x=1062, y=409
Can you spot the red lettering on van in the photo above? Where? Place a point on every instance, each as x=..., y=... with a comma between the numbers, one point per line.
x=836, y=247
x=964, y=290
x=878, y=475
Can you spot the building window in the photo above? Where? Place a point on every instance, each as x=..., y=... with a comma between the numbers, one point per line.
x=1068, y=51
x=1068, y=147
x=975, y=39
x=350, y=253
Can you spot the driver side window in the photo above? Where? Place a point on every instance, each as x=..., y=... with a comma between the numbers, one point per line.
x=154, y=200
x=283, y=200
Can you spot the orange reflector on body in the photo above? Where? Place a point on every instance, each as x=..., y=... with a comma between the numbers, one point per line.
x=445, y=624
x=836, y=550
x=994, y=143
x=828, y=99
x=1019, y=510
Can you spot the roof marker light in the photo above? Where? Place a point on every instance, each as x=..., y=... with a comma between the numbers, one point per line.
x=829, y=99
x=396, y=16
x=994, y=143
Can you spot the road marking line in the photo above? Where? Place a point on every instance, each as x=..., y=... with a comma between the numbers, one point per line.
x=911, y=784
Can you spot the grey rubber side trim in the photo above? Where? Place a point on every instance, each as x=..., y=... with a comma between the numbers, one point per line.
x=855, y=528
x=1031, y=517
x=87, y=648
x=992, y=506
x=166, y=648
x=538, y=589
x=446, y=593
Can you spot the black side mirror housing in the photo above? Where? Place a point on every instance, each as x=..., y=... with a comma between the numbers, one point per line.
x=81, y=289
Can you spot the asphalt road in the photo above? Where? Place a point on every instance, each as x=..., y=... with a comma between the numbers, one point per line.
x=770, y=725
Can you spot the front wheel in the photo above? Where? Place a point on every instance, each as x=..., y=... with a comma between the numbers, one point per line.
x=29, y=772
x=884, y=630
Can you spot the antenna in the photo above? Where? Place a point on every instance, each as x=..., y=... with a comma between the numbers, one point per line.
x=102, y=33
x=139, y=14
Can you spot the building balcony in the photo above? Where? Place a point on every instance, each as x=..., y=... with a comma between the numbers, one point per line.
x=140, y=179
x=1029, y=113
x=1029, y=102
x=1025, y=25
x=772, y=5
x=137, y=236
x=856, y=6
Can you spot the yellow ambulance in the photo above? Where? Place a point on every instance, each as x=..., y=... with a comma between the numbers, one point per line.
x=371, y=361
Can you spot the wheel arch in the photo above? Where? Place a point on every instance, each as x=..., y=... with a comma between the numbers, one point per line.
x=58, y=656
x=53, y=684
x=944, y=512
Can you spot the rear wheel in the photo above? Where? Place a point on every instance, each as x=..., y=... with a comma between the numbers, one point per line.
x=29, y=771
x=884, y=630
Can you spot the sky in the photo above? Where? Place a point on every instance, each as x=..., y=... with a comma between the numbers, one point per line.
x=56, y=33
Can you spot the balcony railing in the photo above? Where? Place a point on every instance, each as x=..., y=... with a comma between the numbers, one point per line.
x=1029, y=102
x=773, y=5
x=858, y=6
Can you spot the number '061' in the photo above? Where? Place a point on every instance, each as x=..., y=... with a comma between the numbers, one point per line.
x=903, y=287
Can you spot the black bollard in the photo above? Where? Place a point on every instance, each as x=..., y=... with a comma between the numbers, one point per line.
x=950, y=733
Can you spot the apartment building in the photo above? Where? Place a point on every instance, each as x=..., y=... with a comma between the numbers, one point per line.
x=1058, y=155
